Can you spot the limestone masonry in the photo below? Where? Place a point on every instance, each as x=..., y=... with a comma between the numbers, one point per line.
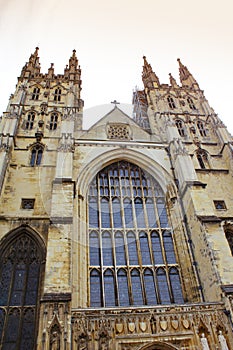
x=119, y=237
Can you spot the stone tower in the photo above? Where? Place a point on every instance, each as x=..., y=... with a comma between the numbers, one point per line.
x=120, y=236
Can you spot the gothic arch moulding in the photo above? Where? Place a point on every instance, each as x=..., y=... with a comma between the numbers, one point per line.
x=159, y=346
x=142, y=160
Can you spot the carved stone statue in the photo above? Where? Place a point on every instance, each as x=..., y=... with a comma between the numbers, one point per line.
x=55, y=341
x=222, y=341
x=204, y=342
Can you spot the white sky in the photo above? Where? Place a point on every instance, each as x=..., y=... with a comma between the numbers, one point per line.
x=111, y=37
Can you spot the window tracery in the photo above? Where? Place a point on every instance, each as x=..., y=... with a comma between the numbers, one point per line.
x=202, y=129
x=118, y=131
x=36, y=154
x=191, y=104
x=35, y=94
x=171, y=102
x=20, y=269
x=202, y=157
x=57, y=95
x=180, y=127
x=131, y=249
x=53, y=121
x=30, y=121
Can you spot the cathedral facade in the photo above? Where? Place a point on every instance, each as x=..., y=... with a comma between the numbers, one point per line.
x=119, y=237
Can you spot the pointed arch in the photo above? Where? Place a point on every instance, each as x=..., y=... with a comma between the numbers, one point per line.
x=159, y=346
x=22, y=257
x=129, y=246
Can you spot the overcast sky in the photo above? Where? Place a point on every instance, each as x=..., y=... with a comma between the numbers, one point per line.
x=111, y=37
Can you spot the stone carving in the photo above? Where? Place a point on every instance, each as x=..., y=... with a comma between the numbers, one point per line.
x=204, y=342
x=55, y=341
x=66, y=143
x=118, y=131
x=222, y=341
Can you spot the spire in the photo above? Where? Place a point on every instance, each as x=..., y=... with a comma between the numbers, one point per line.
x=73, y=70
x=173, y=81
x=149, y=78
x=186, y=78
x=32, y=67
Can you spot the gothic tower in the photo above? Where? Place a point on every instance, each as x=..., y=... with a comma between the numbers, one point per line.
x=120, y=236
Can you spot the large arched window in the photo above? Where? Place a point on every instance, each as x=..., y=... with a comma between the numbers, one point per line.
x=20, y=274
x=132, y=259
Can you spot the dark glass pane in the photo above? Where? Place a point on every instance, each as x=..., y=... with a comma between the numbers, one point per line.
x=145, y=253
x=156, y=248
x=32, y=284
x=163, y=287
x=169, y=249
x=107, y=249
x=27, y=339
x=149, y=287
x=2, y=319
x=109, y=289
x=12, y=329
x=136, y=288
x=17, y=294
x=94, y=249
x=120, y=249
x=128, y=213
x=139, y=213
x=105, y=217
x=93, y=213
x=5, y=282
x=95, y=283
x=162, y=212
x=176, y=286
x=39, y=157
x=33, y=157
x=116, y=209
x=151, y=213
x=123, y=289
x=132, y=249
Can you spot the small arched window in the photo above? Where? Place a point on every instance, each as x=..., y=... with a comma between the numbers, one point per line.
x=30, y=121
x=35, y=94
x=53, y=121
x=191, y=104
x=202, y=129
x=171, y=102
x=36, y=155
x=57, y=95
x=202, y=158
x=180, y=127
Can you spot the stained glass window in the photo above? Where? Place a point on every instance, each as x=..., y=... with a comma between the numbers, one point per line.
x=20, y=270
x=131, y=248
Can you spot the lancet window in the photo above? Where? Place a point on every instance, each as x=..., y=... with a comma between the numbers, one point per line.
x=191, y=104
x=36, y=93
x=20, y=272
x=53, y=121
x=30, y=121
x=202, y=128
x=171, y=102
x=36, y=154
x=180, y=127
x=132, y=258
x=57, y=95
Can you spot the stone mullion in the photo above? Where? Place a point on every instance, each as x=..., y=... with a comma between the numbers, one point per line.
x=100, y=243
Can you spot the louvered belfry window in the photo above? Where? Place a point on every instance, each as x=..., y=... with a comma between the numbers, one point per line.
x=132, y=258
x=20, y=270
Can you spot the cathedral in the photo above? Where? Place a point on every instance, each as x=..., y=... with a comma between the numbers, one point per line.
x=119, y=237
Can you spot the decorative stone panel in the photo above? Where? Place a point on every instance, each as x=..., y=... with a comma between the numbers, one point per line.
x=118, y=131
